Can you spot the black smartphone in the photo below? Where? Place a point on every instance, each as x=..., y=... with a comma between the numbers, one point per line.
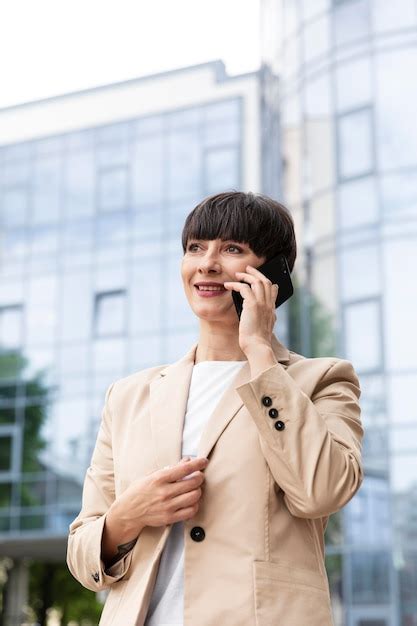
x=278, y=272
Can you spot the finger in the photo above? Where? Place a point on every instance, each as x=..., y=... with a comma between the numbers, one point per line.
x=172, y=474
x=274, y=294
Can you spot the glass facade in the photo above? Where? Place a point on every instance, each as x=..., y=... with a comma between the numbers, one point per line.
x=90, y=286
x=347, y=101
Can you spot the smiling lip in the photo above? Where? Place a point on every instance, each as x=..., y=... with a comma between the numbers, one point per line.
x=210, y=294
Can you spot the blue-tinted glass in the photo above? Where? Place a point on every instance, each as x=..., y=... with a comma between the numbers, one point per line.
x=149, y=221
x=14, y=244
x=363, y=335
x=46, y=190
x=148, y=170
x=223, y=110
x=316, y=38
x=116, y=153
x=11, y=327
x=79, y=181
x=110, y=313
x=355, y=143
x=80, y=140
x=149, y=125
x=44, y=240
x=146, y=288
x=112, y=189
x=221, y=170
x=353, y=84
x=76, y=306
x=48, y=146
x=351, y=21
x=399, y=194
x=109, y=355
x=113, y=133
x=188, y=117
x=78, y=234
x=184, y=167
x=111, y=228
x=16, y=172
x=220, y=133
x=395, y=108
x=358, y=203
x=14, y=206
x=41, y=309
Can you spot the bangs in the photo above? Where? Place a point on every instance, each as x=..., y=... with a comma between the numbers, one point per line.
x=255, y=219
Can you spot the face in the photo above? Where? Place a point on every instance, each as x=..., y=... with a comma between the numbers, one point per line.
x=215, y=261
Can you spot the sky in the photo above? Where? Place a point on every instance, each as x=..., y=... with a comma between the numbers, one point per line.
x=51, y=47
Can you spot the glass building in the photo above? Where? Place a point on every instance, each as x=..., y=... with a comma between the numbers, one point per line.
x=347, y=99
x=94, y=190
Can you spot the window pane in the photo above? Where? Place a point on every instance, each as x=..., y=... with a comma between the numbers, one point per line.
x=112, y=154
x=46, y=190
x=41, y=316
x=44, y=240
x=310, y=9
x=184, y=153
x=395, y=108
x=393, y=15
x=221, y=133
x=350, y=21
x=110, y=313
x=400, y=303
x=14, y=205
x=358, y=202
x=363, y=335
x=75, y=306
x=110, y=356
x=221, y=170
x=355, y=143
x=148, y=170
x=399, y=194
x=79, y=184
x=402, y=407
x=10, y=327
x=111, y=228
x=112, y=189
x=6, y=442
x=353, y=84
x=316, y=38
x=359, y=272
x=146, y=297
x=222, y=111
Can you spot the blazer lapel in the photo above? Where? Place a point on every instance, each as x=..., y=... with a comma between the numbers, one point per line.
x=168, y=405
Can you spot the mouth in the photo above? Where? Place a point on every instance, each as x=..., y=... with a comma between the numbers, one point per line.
x=210, y=292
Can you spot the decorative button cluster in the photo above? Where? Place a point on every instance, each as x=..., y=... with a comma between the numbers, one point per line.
x=273, y=412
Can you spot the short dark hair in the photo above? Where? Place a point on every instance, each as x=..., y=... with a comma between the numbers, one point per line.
x=253, y=218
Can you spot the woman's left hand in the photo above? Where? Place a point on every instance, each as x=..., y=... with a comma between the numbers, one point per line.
x=258, y=313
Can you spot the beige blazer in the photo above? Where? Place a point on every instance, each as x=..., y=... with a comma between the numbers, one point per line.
x=270, y=485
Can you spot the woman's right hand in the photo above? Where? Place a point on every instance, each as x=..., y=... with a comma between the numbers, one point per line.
x=162, y=497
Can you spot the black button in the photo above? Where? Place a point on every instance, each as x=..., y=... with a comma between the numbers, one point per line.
x=273, y=412
x=96, y=577
x=197, y=533
x=279, y=425
x=266, y=401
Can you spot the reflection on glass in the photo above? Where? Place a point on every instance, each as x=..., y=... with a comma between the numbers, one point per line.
x=363, y=335
x=112, y=189
x=46, y=206
x=399, y=194
x=79, y=184
x=355, y=143
x=221, y=170
x=110, y=313
x=11, y=318
x=395, y=108
x=358, y=203
x=148, y=170
x=316, y=38
x=360, y=272
x=351, y=21
x=14, y=206
x=353, y=84
x=184, y=172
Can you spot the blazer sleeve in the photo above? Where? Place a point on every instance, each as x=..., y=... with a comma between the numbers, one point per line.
x=315, y=455
x=86, y=531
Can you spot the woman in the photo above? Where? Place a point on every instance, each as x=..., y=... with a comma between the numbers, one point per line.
x=234, y=536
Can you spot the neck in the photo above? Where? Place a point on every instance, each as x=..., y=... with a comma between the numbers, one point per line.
x=219, y=346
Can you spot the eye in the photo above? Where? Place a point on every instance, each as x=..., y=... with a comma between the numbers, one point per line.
x=229, y=246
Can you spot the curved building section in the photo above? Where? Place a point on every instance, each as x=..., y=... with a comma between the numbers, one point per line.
x=347, y=101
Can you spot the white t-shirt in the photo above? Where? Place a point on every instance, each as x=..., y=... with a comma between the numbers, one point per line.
x=209, y=381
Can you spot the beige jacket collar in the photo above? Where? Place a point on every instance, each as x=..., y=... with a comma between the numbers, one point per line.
x=168, y=404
